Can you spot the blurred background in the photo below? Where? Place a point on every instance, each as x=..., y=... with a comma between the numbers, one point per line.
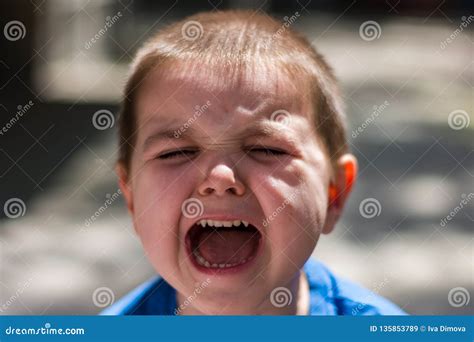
x=406, y=68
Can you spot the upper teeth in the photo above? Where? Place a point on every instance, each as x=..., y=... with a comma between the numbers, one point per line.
x=216, y=223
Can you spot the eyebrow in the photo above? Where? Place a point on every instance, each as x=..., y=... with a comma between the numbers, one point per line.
x=166, y=134
x=257, y=130
x=261, y=130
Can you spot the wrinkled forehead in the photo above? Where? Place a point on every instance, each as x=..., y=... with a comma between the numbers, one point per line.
x=230, y=93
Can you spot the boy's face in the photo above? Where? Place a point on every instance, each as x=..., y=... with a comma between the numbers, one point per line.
x=227, y=158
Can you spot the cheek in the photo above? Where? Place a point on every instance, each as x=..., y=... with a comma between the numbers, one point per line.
x=294, y=201
x=157, y=200
x=159, y=193
x=296, y=189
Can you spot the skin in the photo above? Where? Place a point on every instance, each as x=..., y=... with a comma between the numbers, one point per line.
x=228, y=171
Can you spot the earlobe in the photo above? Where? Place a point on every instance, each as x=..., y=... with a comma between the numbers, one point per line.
x=124, y=185
x=333, y=194
x=339, y=189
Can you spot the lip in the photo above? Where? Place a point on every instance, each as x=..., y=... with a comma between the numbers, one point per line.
x=230, y=270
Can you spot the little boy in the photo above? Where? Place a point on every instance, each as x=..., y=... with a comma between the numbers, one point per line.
x=233, y=160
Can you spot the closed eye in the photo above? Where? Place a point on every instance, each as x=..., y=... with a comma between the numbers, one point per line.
x=176, y=154
x=191, y=153
x=267, y=151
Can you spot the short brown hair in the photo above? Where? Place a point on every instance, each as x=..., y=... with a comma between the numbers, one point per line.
x=232, y=39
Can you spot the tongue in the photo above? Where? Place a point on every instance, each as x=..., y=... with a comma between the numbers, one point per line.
x=227, y=245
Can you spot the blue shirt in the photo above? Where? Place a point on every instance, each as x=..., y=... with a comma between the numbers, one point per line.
x=329, y=295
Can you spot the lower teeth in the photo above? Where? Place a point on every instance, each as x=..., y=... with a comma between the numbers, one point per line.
x=203, y=262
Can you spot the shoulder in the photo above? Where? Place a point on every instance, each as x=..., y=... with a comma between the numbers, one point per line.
x=334, y=295
x=153, y=297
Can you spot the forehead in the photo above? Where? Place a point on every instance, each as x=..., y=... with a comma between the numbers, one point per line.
x=230, y=97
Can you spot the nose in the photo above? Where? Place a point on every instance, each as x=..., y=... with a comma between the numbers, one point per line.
x=221, y=180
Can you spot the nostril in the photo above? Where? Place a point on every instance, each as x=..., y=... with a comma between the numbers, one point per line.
x=221, y=180
x=234, y=190
x=208, y=191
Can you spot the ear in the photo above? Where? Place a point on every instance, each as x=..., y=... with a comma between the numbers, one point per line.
x=340, y=187
x=124, y=184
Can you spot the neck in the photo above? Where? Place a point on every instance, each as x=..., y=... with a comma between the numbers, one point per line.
x=297, y=305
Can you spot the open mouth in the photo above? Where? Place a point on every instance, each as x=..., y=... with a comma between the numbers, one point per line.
x=222, y=245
